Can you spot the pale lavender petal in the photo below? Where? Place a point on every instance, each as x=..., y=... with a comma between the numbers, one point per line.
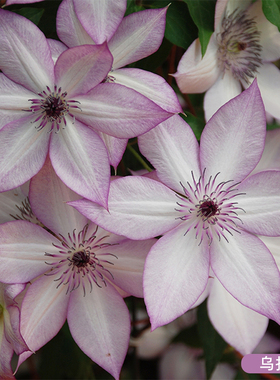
x=23, y=152
x=48, y=196
x=11, y=316
x=100, y=18
x=225, y=88
x=138, y=36
x=173, y=150
x=128, y=269
x=232, y=141
x=139, y=208
x=194, y=73
x=81, y=68
x=80, y=159
x=25, y=55
x=119, y=111
x=69, y=29
x=246, y=268
x=261, y=203
x=99, y=323
x=175, y=275
x=7, y=351
x=273, y=244
x=56, y=48
x=152, y=86
x=13, y=100
x=271, y=154
x=43, y=312
x=12, y=329
x=115, y=147
x=10, y=203
x=228, y=6
x=269, y=33
x=269, y=82
x=240, y=326
x=22, y=251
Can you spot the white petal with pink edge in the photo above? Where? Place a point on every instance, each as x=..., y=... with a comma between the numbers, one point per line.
x=119, y=111
x=13, y=100
x=43, y=313
x=269, y=82
x=22, y=251
x=115, y=147
x=99, y=323
x=23, y=152
x=128, y=269
x=261, y=203
x=153, y=86
x=269, y=33
x=25, y=56
x=246, y=268
x=48, y=196
x=224, y=89
x=80, y=159
x=173, y=150
x=139, y=35
x=175, y=275
x=81, y=68
x=232, y=142
x=240, y=326
x=100, y=18
x=139, y=208
x=194, y=73
x=69, y=29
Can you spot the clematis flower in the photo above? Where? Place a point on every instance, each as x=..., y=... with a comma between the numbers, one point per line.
x=78, y=271
x=131, y=38
x=240, y=326
x=206, y=209
x=10, y=337
x=58, y=109
x=242, y=48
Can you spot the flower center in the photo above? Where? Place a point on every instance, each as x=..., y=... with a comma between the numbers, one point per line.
x=210, y=208
x=52, y=108
x=239, y=48
x=81, y=258
x=207, y=208
x=81, y=261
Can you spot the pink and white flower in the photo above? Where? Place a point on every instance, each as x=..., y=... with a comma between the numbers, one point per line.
x=243, y=47
x=59, y=108
x=79, y=272
x=206, y=209
x=131, y=38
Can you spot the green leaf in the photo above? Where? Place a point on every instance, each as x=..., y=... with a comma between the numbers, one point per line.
x=188, y=336
x=196, y=123
x=241, y=375
x=213, y=344
x=203, y=13
x=33, y=14
x=155, y=60
x=273, y=125
x=61, y=358
x=271, y=10
x=180, y=28
x=132, y=7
